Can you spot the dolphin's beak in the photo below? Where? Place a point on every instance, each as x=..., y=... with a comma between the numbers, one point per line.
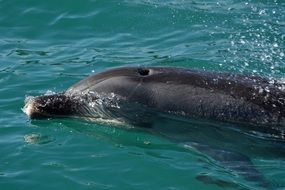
x=31, y=108
x=48, y=106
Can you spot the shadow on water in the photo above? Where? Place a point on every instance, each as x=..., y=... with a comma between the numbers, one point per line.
x=232, y=147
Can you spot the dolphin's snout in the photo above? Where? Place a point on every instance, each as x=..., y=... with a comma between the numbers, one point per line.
x=48, y=106
x=38, y=107
x=30, y=107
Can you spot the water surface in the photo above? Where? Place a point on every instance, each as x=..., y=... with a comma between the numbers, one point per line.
x=46, y=46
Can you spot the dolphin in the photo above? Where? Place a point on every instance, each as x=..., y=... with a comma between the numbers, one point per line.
x=137, y=96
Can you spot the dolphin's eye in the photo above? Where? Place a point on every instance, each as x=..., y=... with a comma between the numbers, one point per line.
x=143, y=72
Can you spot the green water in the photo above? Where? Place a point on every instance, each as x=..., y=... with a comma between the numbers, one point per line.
x=46, y=46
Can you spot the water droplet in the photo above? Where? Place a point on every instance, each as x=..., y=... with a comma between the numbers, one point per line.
x=261, y=12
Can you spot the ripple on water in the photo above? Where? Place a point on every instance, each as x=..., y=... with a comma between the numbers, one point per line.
x=39, y=139
x=51, y=45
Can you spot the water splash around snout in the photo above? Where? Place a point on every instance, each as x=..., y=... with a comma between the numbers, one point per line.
x=28, y=107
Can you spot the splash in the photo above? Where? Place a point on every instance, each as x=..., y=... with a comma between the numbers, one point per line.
x=28, y=107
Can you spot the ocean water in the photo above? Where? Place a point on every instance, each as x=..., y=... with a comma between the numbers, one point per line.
x=46, y=46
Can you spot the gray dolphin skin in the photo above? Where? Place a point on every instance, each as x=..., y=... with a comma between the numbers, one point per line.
x=134, y=95
x=140, y=95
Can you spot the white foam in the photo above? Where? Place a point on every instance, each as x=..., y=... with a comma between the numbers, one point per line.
x=29, y=106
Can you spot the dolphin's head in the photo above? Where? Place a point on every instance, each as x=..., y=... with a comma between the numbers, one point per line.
x=90, y=96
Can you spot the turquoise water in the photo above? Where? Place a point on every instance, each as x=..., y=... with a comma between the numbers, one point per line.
x=46, y=46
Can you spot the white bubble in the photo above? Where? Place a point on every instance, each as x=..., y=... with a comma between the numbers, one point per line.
x=49, y=92
x=261, y=12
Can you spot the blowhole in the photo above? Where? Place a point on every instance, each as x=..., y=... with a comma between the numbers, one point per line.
x=143, y=72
